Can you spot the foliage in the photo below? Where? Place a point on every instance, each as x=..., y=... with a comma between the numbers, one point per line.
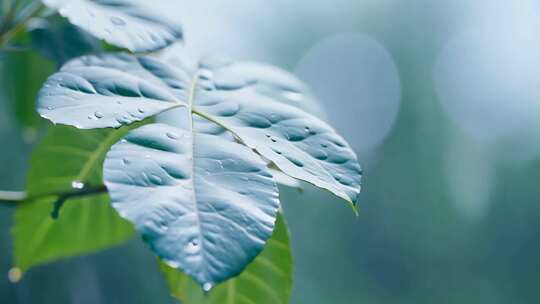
x=203, y=196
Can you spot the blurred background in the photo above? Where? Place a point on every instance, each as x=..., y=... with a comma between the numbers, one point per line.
x=440, y=100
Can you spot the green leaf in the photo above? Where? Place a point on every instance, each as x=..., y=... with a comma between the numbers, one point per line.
x=66, y=159
x=267, y=280
x=204, y=204
x=258, y=104
x=124, y=23
x=59, y=40
x=23, y=73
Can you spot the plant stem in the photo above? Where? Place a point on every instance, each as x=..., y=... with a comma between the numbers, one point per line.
x=15, y=198
x=34, y=9
x=12, y=196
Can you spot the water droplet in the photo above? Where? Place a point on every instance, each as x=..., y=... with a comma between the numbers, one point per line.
x=154, y=38
x=172, y=264
x=140, y=110
x=172, y=135
x=99, y=115
x=192, y=246
x=324, y=145
x=77, y=185
x=49, y=108
x=307, y=129
x=125, y=161
x=15, y=275
x=117, y=21
x=274, y=140
x=91, y=117
x=207, y=287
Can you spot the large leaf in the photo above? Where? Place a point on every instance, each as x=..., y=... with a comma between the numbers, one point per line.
x=260, y=105
x=124, y=23
x=204, y=204
x=67, y=158
x=267, y=280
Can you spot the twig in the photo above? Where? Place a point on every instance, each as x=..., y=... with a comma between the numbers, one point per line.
x=14, y=198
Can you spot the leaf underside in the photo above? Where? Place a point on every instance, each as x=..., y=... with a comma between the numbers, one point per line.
x=203, y=204
x=267, y=280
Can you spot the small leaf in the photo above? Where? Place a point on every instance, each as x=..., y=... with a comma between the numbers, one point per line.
x=267, y=280
x=124, y=23
x=66, y=159
x=204, y=204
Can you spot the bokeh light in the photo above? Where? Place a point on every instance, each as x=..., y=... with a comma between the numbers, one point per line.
x=357, y=81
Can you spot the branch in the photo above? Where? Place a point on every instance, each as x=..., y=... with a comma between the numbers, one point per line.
x=14, y=198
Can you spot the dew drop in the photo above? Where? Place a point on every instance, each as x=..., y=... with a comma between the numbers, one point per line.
x=207, y=287
x=117, y=21
x=274, y=140
x=324, y=145
x=99, y=115
x=140, y=110
x=172, y=264
x=49, y=108
x=77, y=185
x=15, y=275
x=172, y=135
x=193, y=246
x=125, y=161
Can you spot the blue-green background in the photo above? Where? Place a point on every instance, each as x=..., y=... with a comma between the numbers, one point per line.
x=441, y=101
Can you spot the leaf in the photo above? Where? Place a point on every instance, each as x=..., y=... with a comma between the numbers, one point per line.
x=111, y=91
x=267, y=280
x=203, y=204
x=124, y=23
x=258, y=104
x=23, y=73
x=59, y=40
x=66, y=158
